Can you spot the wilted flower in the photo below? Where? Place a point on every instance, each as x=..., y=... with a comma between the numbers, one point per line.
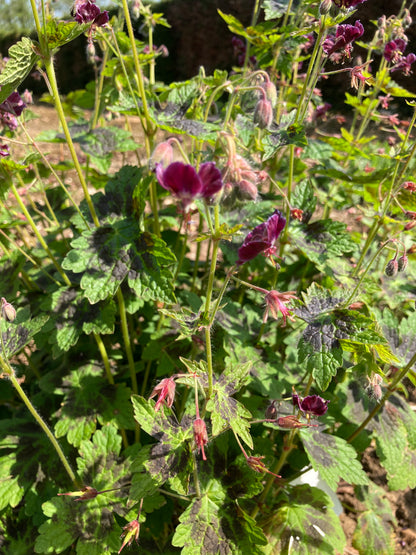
x=166, y=393
x=409, y=186
x=405, y=63
x=344, y=36
x=256, y=464
x=183, y=181
x=311, y=404
x=87, y=11
x=86, y=493
x=291, y=422
x=130, y=532
x=262, y=238
x=200, y=435
x=276, y=305
x=8, y=312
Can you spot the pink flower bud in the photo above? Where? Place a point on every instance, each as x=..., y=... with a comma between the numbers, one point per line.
x=200, y=435
x=263, y=113
x=8, y=312
x=392, y=267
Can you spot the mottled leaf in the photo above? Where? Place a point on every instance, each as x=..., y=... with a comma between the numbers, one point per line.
x=18, y=333
x=21, y=59
x=333, y=458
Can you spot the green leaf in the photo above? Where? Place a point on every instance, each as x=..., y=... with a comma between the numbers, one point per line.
x=59, y=33
x=73, y=314
x=304, y=198
x=11, y=492
x=374, y=532
x=112, y=253
x=19, y=332
x=305, y=524
x=22, y=57
x=90, y=524
x=333, y=458
x=87, y=399
x=227, y=412
x=322, y=240
x=200, y=530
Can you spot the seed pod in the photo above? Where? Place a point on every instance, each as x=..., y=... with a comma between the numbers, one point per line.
x=392, y=267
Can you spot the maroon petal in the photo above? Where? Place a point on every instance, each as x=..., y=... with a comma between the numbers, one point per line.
x=181, y=180
x=275, y=225
x=314, y=405
x=211, y=179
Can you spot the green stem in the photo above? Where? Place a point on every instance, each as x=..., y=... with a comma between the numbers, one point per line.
x=9, y=371
x=39, y=236
x=50, y=70
x=126, y=339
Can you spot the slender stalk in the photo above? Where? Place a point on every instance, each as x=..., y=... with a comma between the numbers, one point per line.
x=126, y=339
x=15, y=382
x=39, y=236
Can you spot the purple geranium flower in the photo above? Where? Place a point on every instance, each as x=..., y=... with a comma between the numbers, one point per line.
x=185, y=183
x=394, y=50
x=311, y=404
x=344, y=36
x=13, y=106
x=4, y=151
x=86, y=11
x=262, y=238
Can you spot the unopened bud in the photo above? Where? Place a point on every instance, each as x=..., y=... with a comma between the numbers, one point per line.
x=271, y=411
x=8, y=312
x=402, y=263
x=263, y=113
x=91, y=52
x=392, y=267
x=407, y=20
x=325, y=6
x=271, y=92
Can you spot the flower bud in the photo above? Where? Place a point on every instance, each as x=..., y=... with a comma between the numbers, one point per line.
x=271, y=411
x=402, y=263
x=8, y=312
x=263, y=113
x=325, y=6
x=392, y=267
x=271, y=92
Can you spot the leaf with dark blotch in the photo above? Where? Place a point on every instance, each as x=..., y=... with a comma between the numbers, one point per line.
x=305, y=524
x=333, y=458
x=18, y=333
x=89, y=399
x=90, y=524
x=112, y=253
x=200, y=530
x=317, y=300
x=375, y=525
x=227, y=412
x=322, y=240
x=74, y=315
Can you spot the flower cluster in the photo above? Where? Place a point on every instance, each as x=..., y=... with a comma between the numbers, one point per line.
x=186, y=184
x=393, y=52
x=341, y=43
x=262, y=238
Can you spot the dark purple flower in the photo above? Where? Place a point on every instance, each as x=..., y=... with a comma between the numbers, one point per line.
x=394, y=50
x=262, y=238
x=13, y=104
x=311, y=404
x=4, y=151
x=344, y=36
x=183, y=181
x=405, y=64
x=347, y=3
x=86, y=11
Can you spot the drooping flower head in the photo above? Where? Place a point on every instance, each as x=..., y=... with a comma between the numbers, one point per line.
x=200, y=435
x=276, y=304
x=186, y=184
x=262, y=238
x=311, y=404
x=165, y=390
x=345, y=35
